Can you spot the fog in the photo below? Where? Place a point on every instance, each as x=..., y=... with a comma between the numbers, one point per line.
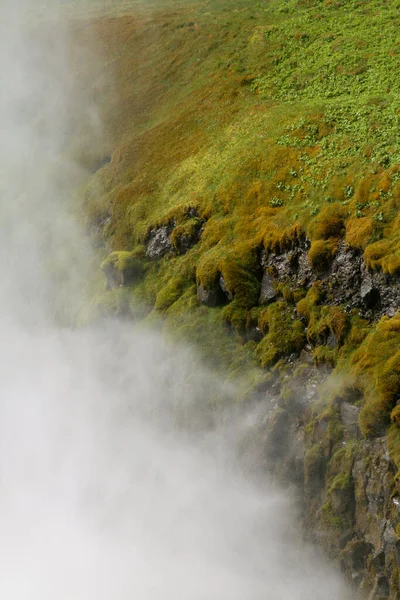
x=103, y=492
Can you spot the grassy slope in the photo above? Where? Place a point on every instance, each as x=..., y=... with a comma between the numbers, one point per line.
x=270, y=118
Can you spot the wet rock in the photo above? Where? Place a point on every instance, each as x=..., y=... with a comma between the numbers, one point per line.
x=186, y=241
x=268, y=291
x=354, y=558
x=101, y=162
x=228, y=294
x=306, y=356
x=349, y=417
x=331, y=340
x=381, y=589
x=378, y=561
x=347, y=282
x=121, y=269
x=369, y=294
x=159, y=243
x=211, y=297
x=97, y=225
x=278, y=429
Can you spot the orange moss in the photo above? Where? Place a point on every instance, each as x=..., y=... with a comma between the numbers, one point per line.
x=328, y=224
x=359, y=232
x=376, y=365
x=321, y=254
x=374, y=253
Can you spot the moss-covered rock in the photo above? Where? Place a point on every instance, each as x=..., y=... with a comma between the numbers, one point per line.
x=122, y=269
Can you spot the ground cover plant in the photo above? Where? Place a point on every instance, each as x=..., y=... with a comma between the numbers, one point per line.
x=253, y=126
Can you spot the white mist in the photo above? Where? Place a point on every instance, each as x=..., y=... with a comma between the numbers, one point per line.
x=101, y=496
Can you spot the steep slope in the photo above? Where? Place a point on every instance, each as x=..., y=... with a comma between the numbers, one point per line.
x=249, y=198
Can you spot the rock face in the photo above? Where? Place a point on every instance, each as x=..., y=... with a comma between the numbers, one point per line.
x=345, y=484
x=172, y=239
x=159, y=243
x=215, y=295
x=121, y=269
x=347, y=281
x=268, y=291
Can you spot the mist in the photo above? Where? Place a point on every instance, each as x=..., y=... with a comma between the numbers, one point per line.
x=105, y=490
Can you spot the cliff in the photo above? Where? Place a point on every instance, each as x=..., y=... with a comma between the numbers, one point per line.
x=249, y=200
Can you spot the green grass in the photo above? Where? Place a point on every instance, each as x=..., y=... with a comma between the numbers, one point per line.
x=274, y=120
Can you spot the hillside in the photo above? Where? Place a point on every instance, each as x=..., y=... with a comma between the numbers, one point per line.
x=249, y=199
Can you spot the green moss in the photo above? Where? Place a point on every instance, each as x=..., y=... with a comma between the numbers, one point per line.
x=121, y=261
x=114, y=302
x=186, y=231
x=328, y=224
x=314, y=468
x=343, y=481
x=325, y=355
x=281, y=119
x=321, y=254
x=359, y=232
x=393, y=441
x=395, y=416
x=315, y=296
x=170, y=292
x=376, y=365
x=283, y=334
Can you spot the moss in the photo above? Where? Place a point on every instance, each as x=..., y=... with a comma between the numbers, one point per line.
x=359, y=232
x=325, y=355
x=359, y=329
x=393, y=442
x=321, y=254
x=170, y=292
x=121, y=261
x=328, y=224
x=375, y=253
x=382, y=255
x=395, y=416
x=324, y=321
x=314, y=468
x=185, y=234
x=283, y=334
x=341, y=482
x=376, y=365
x=183, y=139
x=115, y=302
x=315, y=296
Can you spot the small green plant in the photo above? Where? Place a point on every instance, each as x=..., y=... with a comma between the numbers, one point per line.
x=276, y=202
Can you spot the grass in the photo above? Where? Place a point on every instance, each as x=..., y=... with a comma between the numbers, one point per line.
x=272, y=120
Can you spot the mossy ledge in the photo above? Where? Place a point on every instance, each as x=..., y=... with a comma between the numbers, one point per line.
x=251, y=205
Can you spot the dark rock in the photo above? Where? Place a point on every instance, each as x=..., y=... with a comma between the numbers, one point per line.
x=228, y=294
x=98, y=223
x=192, y=212
x=268, y=291
x=306, y=356
x=381, y=589
x=347, y=282
x=184, y=241
x=349, y=417
x=159, y=243
x=354, y=557
x=101, y=162
x=378, y=561
x=332, y=340
x=369, y=293
x=121, y=269
x=211, y=297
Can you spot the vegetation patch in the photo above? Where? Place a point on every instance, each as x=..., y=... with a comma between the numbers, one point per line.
x=250, y=130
